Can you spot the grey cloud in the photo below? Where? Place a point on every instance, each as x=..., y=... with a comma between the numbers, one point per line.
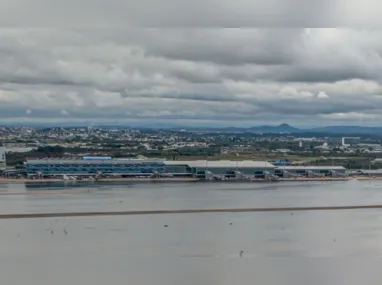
x=197, y=13
x=224, y=46
x=311, y=109
x=194, y=74
x=192, y=97
x=330, y=74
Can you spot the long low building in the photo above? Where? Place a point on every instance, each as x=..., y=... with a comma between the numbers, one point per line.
x=202, y=169
x=92, y=166
x=220, y=168
x=367, y=172
x=310, y=171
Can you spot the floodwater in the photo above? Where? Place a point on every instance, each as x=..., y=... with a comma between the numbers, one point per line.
x=299, y=248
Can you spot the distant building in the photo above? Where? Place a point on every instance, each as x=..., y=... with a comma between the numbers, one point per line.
x=368, y=172
x=373, y=147
x=310, y=171
x=93, y=166
x=282, y=163
x=377, y=161
x=14, y=144
x=19, y=149
x=347, y=141
x=127, y=167
x=283, y=150
x=205, y=169
x=323, y=147
x=3, y=159
x=202, y=169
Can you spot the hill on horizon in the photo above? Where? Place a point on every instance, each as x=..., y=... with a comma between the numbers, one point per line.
x=281, y=128
x=286, y=128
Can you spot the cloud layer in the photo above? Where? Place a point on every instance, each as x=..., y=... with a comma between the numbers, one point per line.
x=196, y=13
x=197, y=75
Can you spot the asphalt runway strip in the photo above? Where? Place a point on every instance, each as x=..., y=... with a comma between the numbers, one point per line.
x=194, y=211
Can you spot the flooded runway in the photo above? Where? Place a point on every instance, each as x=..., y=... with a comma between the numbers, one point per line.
x=299, y=248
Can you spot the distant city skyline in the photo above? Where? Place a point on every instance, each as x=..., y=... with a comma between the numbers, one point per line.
x=267, y=128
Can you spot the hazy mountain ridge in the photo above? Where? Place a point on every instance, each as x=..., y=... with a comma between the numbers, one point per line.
x=286, y=128
x=347, y=129
x=282, y=128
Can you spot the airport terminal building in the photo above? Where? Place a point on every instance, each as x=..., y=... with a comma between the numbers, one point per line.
x=93, y=166
x=211, y=169
x=201, y=169
x=310, y=171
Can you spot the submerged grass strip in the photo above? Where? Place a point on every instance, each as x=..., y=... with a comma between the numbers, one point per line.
x=190, y=211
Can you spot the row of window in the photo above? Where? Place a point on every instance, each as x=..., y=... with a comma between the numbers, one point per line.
x=89, y=172
x=94, y=170
x=100, y=168
x=96, y=165
x=278, y=171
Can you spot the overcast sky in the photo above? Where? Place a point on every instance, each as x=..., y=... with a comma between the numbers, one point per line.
x=115, y=61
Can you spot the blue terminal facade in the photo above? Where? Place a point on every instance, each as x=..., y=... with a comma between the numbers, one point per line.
x=91, y=166
x=203, y=169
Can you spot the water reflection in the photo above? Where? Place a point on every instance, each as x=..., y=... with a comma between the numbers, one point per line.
x=338, y=247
